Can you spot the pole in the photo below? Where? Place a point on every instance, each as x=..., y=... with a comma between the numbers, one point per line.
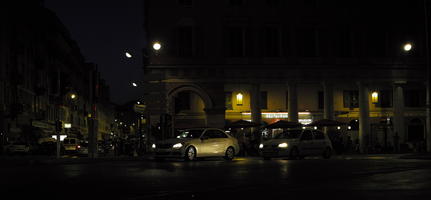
x=57, y=129
x=427, y=55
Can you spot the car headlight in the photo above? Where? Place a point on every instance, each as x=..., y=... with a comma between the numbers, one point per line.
x=153, y=146
x=177, y=146
x=283, y=145
x=261, y=146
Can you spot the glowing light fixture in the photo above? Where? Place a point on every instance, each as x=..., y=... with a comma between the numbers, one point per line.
x=239, y=98
x=128, y=55
x=157, y=46
x=375, y=97
x=408, y=47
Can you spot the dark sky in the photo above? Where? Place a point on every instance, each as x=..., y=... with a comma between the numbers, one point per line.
x=105, y=30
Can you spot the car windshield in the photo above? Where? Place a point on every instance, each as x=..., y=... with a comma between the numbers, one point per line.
x=195, y=133
x=290, y=134
x=69, y=141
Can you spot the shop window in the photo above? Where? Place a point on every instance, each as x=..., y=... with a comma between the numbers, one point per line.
x=351, y=99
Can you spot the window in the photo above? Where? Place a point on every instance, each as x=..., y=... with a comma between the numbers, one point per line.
x=415, y=98
x=228, y=100
x=307, y=135
x=311, y=3
x=343, y=42
x=236, y=42
x=185, y=2
x=272, y=41
x=264, y=100
x=185, y=41
x=318, y=135
x=321, y=100
x=351, y=99
x=377, y=42
x=215, y=134
x=307, y=42
x=236, y=2
x=273, y=3
x=385, y=99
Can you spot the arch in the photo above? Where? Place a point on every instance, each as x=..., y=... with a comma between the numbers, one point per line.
x=416, y=130
x=193, y=88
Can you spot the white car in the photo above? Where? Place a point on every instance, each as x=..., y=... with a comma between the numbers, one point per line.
x=17, y=147
x=296, y=144
x=198, y=143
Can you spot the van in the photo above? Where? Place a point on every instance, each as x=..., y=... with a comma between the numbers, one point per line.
x=71, y=145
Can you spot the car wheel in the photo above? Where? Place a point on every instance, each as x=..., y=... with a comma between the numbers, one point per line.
x=267, y=158
x=230, y=153
x=190, y=154
x=294, y=153
x=327, y=153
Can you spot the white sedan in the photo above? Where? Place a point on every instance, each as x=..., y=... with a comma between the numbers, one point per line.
x=197, y=143
x=297, y=143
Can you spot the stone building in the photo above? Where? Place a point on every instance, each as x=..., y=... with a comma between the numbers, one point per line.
x=44, y=77
x=264, y=60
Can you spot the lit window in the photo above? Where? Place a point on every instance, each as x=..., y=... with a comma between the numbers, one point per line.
x=239, y=98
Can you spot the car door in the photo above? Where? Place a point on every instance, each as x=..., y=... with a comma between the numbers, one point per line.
x=319, y=142
x=306, y=143
x=207, y=144
x=221, y=142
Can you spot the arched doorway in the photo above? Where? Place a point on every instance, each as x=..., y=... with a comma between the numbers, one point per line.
x=416, y=134
x=188, y=105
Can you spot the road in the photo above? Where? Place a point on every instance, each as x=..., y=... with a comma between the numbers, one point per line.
x=251, y=178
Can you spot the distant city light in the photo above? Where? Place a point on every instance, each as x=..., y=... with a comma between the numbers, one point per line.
x=134, y=84
x=67, y=125
x=128, y=55
x=73, y=96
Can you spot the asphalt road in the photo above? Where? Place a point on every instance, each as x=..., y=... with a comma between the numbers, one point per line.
x=251, y=178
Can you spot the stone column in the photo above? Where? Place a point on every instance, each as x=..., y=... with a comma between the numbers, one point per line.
x=399, y=126
x=328, y=107
x=364, y=117
x=256, y=114
x=292, y=101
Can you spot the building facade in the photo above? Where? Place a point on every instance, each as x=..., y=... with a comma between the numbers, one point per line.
x=45, y=78
x=266, y=60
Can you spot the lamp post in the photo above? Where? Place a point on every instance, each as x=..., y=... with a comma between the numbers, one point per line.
x=427, y=55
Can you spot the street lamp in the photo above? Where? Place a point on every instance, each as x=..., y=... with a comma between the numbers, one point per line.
x=128, y=55
x=157, y=46
x=239, y=98
x=375, y=97
x=134, y=84
x=407, y=47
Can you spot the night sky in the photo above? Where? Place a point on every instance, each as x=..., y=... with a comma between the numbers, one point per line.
x=105, y=30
